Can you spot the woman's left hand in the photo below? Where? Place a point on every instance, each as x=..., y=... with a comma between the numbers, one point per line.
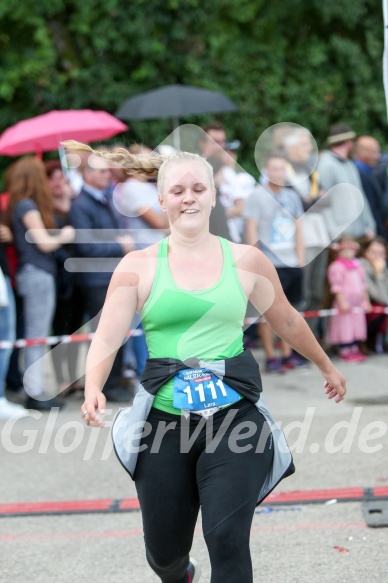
x=335, y=385
x=5, y=234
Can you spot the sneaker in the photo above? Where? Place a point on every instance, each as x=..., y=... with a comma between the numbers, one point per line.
x=300, y=360
x=345, y=354
x=352, y=354
x=44, y=404
x=294, y=361
x=274, y=365
x=8, y=410
x=193, y=571
x=288, y=363
x=356, y=355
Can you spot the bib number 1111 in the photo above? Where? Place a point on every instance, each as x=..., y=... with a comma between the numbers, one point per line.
x=200, y=389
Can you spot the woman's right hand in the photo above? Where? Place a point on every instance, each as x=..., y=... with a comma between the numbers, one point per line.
x=67, y=235
x=93, y=406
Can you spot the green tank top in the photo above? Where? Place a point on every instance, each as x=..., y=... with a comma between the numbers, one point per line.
x=206, y=324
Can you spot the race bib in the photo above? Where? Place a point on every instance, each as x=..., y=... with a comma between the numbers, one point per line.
x=197, y=389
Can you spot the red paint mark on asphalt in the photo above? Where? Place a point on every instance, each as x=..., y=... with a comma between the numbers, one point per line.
x=315, y=495
x=59, y=506
x=341, y=549
x=128, y=504
x=381, y=491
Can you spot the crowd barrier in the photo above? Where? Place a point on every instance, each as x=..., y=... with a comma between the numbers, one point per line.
x=53, y=340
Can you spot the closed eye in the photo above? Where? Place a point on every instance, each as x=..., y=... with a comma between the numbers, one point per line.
x=199, y=187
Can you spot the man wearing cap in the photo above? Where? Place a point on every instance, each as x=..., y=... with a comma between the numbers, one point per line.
x=336, y=167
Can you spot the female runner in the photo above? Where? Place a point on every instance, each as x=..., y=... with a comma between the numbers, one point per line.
x=198, y=434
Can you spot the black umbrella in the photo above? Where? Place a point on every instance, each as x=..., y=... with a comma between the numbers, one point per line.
x=175, y=101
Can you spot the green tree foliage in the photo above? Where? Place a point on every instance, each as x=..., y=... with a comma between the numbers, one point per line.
x=305, y=61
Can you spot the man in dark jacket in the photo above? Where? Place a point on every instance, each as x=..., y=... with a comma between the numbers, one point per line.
x=98, y=249
x=381, y=176
x=367, y=156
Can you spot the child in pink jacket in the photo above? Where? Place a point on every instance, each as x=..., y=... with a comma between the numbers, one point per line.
x=347, y=281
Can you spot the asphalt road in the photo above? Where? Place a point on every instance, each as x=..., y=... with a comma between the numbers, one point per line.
x=53, y=457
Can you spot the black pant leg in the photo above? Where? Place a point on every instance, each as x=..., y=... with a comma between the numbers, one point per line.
x=168, y=494
x=68, y=319
x=230, y=480
x=94, y=298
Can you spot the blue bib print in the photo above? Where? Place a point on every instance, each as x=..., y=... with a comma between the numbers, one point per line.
x=197, y=389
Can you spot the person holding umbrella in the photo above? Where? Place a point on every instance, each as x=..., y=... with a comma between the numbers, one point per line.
x=191, y=290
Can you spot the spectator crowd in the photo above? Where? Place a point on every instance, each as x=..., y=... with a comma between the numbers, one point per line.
x=63, y=232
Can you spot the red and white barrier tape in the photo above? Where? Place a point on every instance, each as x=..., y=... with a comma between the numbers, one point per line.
x=330, y=312
x=51, y=340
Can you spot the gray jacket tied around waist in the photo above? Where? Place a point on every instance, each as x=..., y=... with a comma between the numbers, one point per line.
x=240, y=372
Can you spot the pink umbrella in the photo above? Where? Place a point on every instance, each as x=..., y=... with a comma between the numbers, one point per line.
x=45, y=132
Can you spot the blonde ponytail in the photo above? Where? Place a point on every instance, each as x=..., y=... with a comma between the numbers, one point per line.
x=132, y=164
x=153, y=166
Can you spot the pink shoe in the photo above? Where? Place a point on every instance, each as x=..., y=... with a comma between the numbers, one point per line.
x=352, y=354
x=346, y=354
x=356, y=355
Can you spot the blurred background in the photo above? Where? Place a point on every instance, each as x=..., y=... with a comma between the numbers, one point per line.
x=303, y=61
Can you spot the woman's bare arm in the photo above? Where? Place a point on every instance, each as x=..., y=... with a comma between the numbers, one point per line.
x=39, y=235
x=268, y=297
x=116, y=317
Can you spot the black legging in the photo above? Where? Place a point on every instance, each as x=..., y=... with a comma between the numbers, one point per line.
x=171, y=487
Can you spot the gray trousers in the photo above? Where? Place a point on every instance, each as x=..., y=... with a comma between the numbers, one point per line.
x=37, y=288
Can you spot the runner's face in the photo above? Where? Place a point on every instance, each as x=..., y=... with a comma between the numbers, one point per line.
x=188, y=196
